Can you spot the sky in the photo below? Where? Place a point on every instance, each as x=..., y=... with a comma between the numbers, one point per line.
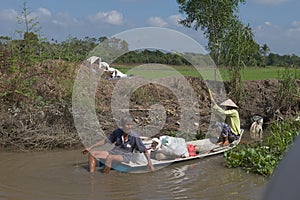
x=274, y=22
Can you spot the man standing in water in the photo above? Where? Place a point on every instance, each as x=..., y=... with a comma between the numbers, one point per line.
x=125, y=140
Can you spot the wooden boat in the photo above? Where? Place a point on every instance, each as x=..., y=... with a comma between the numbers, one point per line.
x=207, y=147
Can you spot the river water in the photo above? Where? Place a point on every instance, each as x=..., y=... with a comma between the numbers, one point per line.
x=63, y=176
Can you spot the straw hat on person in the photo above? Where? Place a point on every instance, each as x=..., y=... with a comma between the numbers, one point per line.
x=229, y=103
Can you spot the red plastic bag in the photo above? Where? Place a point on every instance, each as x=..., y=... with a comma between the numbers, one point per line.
x=191, y=149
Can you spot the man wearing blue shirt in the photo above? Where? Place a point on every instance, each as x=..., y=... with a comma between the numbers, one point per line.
x=125, y=140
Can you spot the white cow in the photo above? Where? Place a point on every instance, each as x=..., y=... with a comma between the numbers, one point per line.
x=109, y=69
x=104, y=65
x=94, y=59
x=97, y=60
x=118, y=74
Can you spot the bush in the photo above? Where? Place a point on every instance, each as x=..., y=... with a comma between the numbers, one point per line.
x=262, y=158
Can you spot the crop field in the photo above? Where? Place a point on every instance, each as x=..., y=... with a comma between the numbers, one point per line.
x=206, y=73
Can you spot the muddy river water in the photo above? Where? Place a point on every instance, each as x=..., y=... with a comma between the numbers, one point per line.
x=63, y=176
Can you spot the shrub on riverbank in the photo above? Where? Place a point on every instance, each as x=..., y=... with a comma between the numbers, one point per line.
x=262, y=158
x=35, y=105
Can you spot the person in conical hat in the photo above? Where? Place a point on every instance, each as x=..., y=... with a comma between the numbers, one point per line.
x=232, y=119
x=229, y=103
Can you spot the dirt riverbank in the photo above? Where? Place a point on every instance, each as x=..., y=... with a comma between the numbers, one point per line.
x=48, y=123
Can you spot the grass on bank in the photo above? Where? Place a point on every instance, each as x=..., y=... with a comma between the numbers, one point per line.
x=249, y=73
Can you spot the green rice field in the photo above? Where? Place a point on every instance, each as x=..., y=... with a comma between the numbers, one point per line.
x=249, y=73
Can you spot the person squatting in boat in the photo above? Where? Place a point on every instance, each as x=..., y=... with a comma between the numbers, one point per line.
x=232, y=119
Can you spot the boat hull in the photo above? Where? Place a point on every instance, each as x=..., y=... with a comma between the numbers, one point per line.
x=208, y=147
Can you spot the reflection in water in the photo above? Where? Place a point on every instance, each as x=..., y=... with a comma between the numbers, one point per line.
x=63, y=175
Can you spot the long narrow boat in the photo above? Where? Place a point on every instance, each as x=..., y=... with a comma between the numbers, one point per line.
x=208, y=147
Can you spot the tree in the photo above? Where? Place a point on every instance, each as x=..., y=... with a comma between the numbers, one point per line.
x=231, y=43
x=30, y=47
x=264, y=49
x=102, y=39
x=213, y=17
x=238, y=46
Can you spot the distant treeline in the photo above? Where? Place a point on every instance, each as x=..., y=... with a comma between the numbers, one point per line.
x=32, y=49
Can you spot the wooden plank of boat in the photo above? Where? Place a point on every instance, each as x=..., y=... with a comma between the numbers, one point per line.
x=207, y=147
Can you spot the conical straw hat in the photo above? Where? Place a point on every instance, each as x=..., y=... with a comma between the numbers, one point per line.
x=229, y=103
